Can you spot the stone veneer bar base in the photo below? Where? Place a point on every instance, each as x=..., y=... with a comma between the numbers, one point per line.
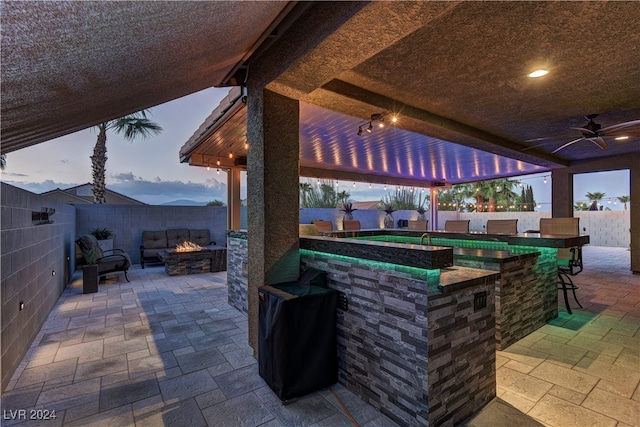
x=421, y=357
x=526, y=294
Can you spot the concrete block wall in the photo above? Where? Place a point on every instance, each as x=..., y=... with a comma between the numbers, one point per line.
x=36, y=264
x=129, y=221
x=605, y=228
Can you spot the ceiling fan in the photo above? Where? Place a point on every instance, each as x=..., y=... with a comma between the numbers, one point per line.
x=596, y=134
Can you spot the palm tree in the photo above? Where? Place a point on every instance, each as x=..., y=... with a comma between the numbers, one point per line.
x=595, y=197
x=305, y=188
x=625, y=200
x=131, y=126
x=343, y=196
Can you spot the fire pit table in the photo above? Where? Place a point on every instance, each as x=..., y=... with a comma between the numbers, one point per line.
x=204, y=260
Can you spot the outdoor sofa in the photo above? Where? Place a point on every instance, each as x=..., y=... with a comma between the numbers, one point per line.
x=154, y=242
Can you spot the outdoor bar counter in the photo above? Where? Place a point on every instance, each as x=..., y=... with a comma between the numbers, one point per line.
x=418, y=337
x=527, y=290
x=408, y=331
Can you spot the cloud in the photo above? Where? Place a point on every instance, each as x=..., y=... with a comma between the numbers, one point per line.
x=158, y=191
x=126, y=176
x=14, y=174
x=153, y=192
x=41, y=187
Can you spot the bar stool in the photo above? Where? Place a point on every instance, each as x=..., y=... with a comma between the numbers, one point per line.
x=568, y=266
x=569, y=259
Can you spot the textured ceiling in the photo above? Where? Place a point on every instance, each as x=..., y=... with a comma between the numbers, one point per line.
x=69, y=65
x=455, y=71
x=470, y=66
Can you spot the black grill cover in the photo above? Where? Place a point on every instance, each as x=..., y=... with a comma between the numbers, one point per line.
x=297, y=338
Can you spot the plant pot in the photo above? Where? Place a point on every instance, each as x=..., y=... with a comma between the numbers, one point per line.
x=388, y=220
x=347, y=216
x=422, y=217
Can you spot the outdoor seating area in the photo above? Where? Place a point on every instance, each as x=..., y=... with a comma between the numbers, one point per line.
x=156, y=242
x=171, y=351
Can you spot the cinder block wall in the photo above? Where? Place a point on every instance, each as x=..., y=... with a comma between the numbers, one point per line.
x=129, y=221
x=36, y=264
x=605, y=228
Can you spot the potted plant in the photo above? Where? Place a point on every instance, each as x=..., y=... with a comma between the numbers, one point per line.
x=421, y=211
x=348, y=209
x=388, y=217
x=104, y=237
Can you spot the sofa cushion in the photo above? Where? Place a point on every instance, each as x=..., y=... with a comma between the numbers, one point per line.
x=176, y=236
x=202, y=237
x=91, y=251
x=154, y=239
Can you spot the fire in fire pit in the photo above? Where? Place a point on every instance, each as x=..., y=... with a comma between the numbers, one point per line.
x=188, y=247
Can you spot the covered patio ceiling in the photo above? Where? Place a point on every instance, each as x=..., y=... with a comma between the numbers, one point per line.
x=331, y=148
x=453, y=71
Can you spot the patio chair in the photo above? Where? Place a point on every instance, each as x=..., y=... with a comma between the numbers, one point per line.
x=502, y=226
x=352, y=225
x=109, y=261
x=323, y=225
x=418, y=225
x=457, y=226
x=569, y=259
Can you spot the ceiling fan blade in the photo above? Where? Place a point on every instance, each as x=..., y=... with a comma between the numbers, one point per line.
x=599, y=141
x=622, y=131
x=567, y=144
x=626, y=125
x=585, y=130
x=541, y=139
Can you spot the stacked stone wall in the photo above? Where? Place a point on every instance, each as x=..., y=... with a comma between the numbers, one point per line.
x=462, y=355
x=237, y=277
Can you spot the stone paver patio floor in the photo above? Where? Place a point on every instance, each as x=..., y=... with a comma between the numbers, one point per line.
x=171, y=351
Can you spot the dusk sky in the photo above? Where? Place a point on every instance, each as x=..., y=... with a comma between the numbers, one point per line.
x=149, y=170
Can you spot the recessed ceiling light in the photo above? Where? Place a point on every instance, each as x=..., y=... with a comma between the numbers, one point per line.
x=621, y=138
x=538, y=73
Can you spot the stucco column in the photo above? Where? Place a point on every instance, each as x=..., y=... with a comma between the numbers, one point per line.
x=634, y=215
x=272, y=195
x=561, y=193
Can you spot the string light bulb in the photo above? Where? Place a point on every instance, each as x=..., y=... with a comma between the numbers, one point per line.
x=218, y=162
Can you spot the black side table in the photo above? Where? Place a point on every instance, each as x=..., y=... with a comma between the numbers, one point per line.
x=90, y=278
